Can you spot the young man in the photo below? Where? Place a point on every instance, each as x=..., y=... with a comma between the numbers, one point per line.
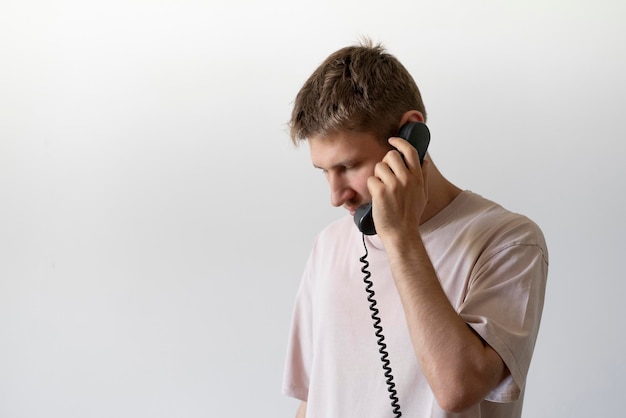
x=459, y=281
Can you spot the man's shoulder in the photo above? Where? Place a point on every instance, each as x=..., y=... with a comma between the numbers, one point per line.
x=486, y=217
x=491, y=212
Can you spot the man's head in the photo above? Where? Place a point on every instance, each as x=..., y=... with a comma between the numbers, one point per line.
x=356, y=89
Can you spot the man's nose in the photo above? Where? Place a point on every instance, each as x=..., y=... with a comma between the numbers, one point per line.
x=340, y=191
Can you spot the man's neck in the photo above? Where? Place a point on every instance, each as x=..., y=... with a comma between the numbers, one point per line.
x=441, y=193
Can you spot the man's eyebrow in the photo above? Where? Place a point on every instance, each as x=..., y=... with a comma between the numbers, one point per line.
x=340, y=164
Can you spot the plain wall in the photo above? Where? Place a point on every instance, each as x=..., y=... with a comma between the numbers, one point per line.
x=155, y=218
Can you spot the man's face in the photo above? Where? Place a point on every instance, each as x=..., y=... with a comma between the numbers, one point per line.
x=347, y=160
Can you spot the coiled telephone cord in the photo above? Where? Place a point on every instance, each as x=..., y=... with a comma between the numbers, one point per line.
x=391, y=386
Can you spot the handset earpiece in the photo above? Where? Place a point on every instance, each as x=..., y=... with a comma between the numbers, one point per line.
x=416, y=134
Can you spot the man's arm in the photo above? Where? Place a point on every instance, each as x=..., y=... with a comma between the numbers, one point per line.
x=301, y=410
x=460, y=368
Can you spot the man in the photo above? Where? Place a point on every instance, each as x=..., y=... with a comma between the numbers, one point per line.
x=459, y=281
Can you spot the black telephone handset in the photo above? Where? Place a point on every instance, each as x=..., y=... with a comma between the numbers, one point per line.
x=418, y=135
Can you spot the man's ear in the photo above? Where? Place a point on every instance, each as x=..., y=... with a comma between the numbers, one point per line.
x=411, y=116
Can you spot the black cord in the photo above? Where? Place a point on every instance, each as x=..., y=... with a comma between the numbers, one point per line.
x=391, y=386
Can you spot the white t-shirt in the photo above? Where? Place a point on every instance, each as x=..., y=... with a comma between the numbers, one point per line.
x=492, y=265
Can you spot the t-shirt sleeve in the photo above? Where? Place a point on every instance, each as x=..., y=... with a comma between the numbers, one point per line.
x=503, y=305
x=300, y=342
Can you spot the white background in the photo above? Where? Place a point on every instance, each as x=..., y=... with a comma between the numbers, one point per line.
x=155, y=218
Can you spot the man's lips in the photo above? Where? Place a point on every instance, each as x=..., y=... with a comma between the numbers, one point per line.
x=352, y=209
